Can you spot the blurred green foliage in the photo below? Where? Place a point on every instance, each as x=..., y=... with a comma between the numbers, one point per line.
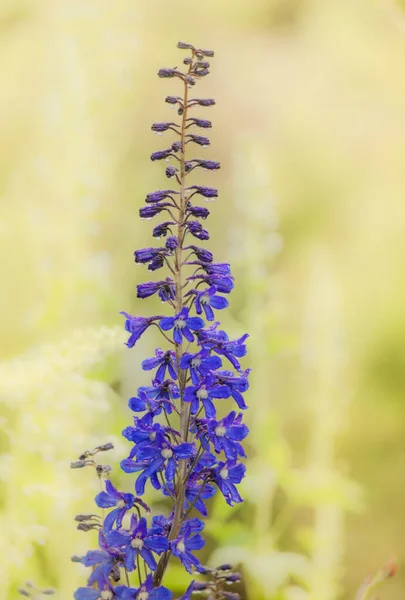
x=309, y=128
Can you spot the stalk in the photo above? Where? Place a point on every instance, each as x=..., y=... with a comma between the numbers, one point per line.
x=184, y=406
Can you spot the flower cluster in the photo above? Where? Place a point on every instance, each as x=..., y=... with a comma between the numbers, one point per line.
x=181, y=445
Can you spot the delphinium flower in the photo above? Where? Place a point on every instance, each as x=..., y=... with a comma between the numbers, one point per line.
x=179, y=444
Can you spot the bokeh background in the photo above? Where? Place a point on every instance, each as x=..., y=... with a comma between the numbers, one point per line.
x=310, y=131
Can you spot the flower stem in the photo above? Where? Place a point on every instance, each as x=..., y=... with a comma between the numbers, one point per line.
x=184, y=406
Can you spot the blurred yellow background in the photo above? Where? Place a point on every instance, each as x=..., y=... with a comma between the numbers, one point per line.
x=309, y=128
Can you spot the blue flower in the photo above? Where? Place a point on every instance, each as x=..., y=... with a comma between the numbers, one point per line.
x=113, y=498
x=219, y=342
x=195, y=496
x=204, y=392
x=102, y=561
x=207, y=300
x=162, y=229
x=161, y=454
x=105, y=592
x=147, y=592
x=237, y=385
x=226, y=475
x=138, y=541
x=184, y=545
x=136, y=326
x=182, y=324
x=226, y=435
x=164, y=361
x=145, y=401
x=199, y=364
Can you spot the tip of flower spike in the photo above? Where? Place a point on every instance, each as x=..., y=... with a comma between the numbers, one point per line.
x=184, y=46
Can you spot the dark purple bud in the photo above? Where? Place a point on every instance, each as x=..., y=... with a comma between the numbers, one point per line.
x=167, y=73
x=172, y=242
x=161, y=154
x=145, y=255
x=201, y=253
x=159, y=195
x=208, y=53
x=165, y=289
x=104, y=447
x=203, y=101
x=86, y=517
x=78, y=464
x=180, y=111
x=201, y=72
x=199, y=139
x=201, y=123
x=176, y=146
x=172, y=99
x=203, y=64
x=207, y=192
x=200, y=586
x=197, y=230
x=171, y=172
x=161, y=127
x=147, y=212
x=190, y=80
x=200, y=212
x=233, y=577
x=184, y=46
x=211, y=165
x=162, y=229
x=231, y=596
x=187, y=61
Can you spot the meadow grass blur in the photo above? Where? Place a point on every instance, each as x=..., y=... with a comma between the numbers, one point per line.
x=310, y=133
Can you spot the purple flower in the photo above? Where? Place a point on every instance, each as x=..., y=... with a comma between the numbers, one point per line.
x=226, y=475
x=121, y=502
x=227, y=434
x=165, y=289
x=147, y=592
x=105, y=591
x=205, y=392
x=199, y=364
x=184, y=545
x=237, y=385
x=138, y=541
x=164, y=361
x=159, y=455
x=136, y=326
x=195, y=497
x=102, y=561
x=182, y=325
x=219, y=342
x=207, y=300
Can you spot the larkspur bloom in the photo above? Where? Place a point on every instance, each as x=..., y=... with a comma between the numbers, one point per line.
x=138, y=541
x=177, y=442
